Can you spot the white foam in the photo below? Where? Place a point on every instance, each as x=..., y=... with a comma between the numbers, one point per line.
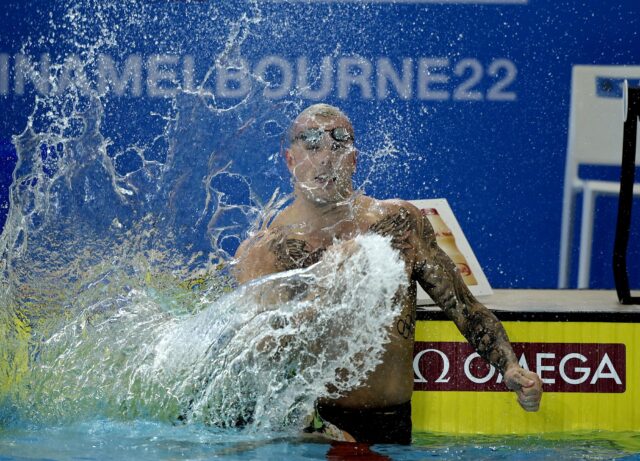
x=248, y=357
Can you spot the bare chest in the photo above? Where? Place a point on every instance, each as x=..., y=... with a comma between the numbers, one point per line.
x=298, y=246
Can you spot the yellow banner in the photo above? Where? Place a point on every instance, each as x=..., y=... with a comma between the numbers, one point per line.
x=590, y=372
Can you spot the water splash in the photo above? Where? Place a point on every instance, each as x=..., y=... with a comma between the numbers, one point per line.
x=259, y=356
x=124, y=215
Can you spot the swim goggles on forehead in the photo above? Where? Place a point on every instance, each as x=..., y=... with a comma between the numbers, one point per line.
x=313, y=136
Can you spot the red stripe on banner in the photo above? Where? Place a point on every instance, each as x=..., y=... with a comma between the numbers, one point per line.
x=563, y=367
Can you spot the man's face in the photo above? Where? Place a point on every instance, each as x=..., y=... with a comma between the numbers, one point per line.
x=322, y=158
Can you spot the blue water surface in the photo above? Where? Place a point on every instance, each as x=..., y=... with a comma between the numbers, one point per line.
x=148, y=440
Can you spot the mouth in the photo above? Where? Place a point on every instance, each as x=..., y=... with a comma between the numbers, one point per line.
x=325, y=179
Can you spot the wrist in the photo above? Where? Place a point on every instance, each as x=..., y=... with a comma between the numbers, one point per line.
x=511, y=365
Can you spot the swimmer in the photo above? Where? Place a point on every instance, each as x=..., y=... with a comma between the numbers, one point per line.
x=327, y=212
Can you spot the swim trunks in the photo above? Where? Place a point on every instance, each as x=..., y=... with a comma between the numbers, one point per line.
x=366, y=425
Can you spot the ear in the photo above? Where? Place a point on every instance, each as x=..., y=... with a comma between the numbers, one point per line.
x=289, y=159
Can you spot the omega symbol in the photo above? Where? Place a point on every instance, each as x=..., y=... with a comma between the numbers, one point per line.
x=445, y=369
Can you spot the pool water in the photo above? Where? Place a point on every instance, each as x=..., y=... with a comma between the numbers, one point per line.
x=148, y=440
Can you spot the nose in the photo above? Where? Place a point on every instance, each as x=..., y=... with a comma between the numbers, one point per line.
x=323, y=153
x=324, y=158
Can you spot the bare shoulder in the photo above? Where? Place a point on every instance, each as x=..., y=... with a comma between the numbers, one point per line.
x=275, y=228
x=252, y=259
x=248, y=244
x=397, y=219
x=395, y=205
x=285, y=218
x=255, y=257
x=393, y=209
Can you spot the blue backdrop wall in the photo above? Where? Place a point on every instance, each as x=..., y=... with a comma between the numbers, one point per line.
x=466, y=100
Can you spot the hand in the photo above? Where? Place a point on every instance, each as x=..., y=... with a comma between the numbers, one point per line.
x=526, y=384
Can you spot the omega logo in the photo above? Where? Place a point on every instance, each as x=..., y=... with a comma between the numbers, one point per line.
x=562, y=367
x=445, y=370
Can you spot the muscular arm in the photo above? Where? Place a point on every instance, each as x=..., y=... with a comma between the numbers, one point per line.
x=439, y=277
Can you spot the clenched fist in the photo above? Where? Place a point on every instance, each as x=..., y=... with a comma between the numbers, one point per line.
x=526, y=384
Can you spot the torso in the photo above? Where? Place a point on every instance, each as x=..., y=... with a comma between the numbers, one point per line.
x=298, y=245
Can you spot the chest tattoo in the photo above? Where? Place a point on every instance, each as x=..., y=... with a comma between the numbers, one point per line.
x=294, y=253
x=398, y=226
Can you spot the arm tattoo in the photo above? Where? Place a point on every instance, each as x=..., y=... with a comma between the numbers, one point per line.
x=406, y=326
x=440, y=278
x=398, y=226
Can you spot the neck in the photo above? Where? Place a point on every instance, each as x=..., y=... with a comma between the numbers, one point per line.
x=343, y=209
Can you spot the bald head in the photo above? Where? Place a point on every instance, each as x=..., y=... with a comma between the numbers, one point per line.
x=317, y=115
x=322, y=157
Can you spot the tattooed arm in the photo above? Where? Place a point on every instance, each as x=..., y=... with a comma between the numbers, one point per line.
x=440, y=278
